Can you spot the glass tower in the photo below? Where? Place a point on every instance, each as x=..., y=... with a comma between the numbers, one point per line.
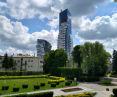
x=65, y=40
x=42, y=47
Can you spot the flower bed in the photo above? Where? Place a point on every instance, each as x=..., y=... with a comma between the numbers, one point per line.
x=71, y=89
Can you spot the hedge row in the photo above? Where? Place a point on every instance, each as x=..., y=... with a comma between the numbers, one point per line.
x=113, y=75
x=20, y=73
x=86, y=94
x=67, y=72
x=89, y=78
x=43, y=94
x=23, y=77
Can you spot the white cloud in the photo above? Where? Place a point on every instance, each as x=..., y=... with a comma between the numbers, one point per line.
x=54, y=46
x=16, y=35
x=54, y=23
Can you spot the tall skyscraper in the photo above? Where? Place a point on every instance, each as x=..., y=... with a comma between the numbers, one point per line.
x=42, y=47
x=65, y=40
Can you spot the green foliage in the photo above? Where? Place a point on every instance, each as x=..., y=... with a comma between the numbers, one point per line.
x=42, y=84
x=68, y=72
x=77, y=55
x=115, y=61
x=67, y=83
x=20, y=73
x=24, y=86
x=53, y=84
x=43, y=94
x=115, y=91
x=95, y=58
x=89, y=78
x=55, y=58
x=5, y=87
x=36, y=86
x=106, y=82
x=7, y=62
x=15, y=89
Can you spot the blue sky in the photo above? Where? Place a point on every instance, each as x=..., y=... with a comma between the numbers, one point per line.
x=22, y=22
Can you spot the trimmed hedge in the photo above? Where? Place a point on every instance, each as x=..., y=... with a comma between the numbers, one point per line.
x=42, y=84
x=5, y=87
x=115, y=91
x=36, y=86
x=20, y=73
x=89, y=78
x=67, y=83
x=68, y=72
x=24, y=86
x=106, y=82
x=15, y=89
x=53, y=84
x=23, y=77
x=43, y=94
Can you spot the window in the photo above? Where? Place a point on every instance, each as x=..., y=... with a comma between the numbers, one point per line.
x=0, y=58
x=18, y=61
x=31, y=66
x=31, y=60
x=0, y=67
x=28, y=60
x=28, y=66
x=41, y=61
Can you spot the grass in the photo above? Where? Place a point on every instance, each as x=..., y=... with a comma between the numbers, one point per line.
x=30, y=82
x=112, y=96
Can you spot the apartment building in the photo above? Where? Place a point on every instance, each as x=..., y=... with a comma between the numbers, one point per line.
x=24, y=63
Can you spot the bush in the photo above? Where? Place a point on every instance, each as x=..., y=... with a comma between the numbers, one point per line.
x=89, y=78
x=67, y=83
x=53, y=84
x=5, y=87
x=36, y=86
x=42, y=84
x=115, y=91
x=15, y=89
x=57, y=82
x=24, y=86
x=106, y=82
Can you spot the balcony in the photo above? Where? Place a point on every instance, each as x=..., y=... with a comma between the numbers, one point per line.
x=24, y=69
x=24, y=63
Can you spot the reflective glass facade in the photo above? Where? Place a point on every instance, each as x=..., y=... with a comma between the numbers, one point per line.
x=42, y=47
x=65, y=40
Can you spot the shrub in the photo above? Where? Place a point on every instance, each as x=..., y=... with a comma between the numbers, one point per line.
x=36, y=86
x=89, y=78
x=115, y=91
x=106, y=82
x=15, y=89
x=24, y=86
x=67, y=83
x=5, y=87
x=53, y=84
x=57, y=82
x=42, y=84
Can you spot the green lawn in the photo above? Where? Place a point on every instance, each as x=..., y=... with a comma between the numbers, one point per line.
x=30, y=82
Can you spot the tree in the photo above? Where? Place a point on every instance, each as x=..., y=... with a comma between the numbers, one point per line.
x=95, y=57
x=7, y=62
x=77, y=55
x=60, y=58
x=45, y=63
x=115, y=61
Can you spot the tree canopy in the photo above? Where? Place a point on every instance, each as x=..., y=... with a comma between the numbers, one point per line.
x=95, y=57
x=77, y=55
x=55, y=58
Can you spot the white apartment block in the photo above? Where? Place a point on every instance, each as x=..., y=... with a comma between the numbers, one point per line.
x=25, y=63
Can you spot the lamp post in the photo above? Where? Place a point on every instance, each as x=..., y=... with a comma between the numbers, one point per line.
x=4, y=84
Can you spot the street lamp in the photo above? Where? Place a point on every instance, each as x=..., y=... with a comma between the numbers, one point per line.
x=4, y=84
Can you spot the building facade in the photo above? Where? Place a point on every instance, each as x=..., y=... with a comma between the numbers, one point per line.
x=24, y=63
x=65, y=40
x=42, y=47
